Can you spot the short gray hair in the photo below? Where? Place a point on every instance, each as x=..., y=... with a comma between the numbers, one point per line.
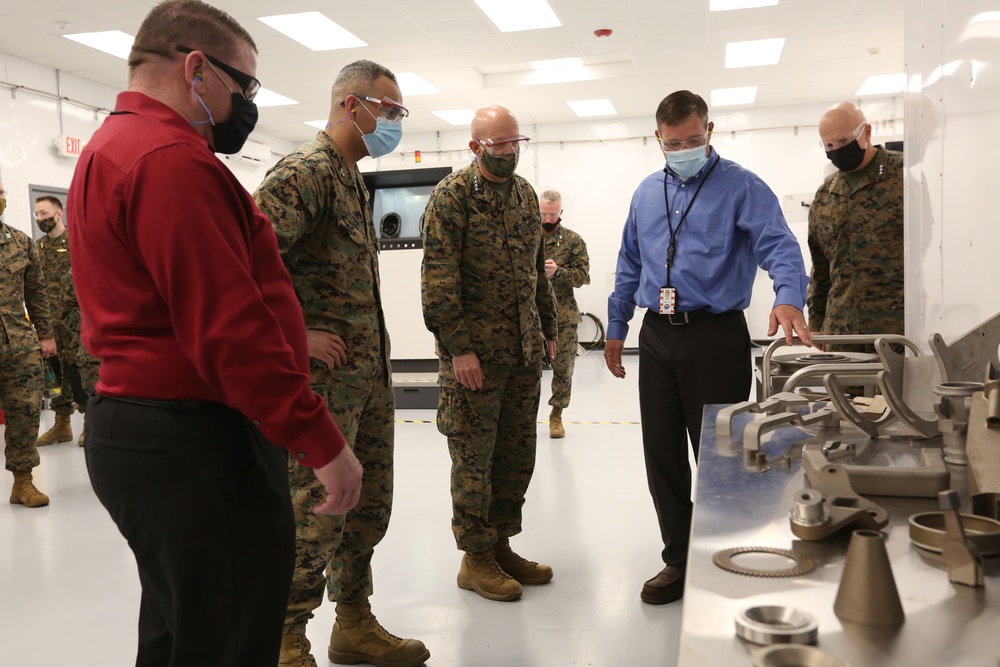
x=358, y=78
x=552, y=195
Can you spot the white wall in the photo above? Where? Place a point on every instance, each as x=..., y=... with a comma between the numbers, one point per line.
x=31, y=119
x=953, y=128
x=596, y=165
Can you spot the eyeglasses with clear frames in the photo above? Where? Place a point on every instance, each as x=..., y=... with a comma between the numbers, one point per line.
x=840, y=143
x=696, y=142
x=505, y=146
x=388, y=108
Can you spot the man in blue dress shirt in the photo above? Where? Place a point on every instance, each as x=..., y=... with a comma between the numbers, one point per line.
x=689, y=257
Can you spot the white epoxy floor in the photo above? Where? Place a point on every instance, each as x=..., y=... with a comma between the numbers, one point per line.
x=69, y=591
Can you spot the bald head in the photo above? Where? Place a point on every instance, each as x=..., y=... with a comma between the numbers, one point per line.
x=840, y=121
x=839, y=127
x=494, y=122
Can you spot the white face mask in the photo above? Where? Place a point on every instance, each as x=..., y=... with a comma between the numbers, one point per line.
x=688, y=162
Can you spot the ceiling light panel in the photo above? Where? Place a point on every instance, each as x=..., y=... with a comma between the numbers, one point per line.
x=269, y=98
x=114, y=42
x=754, y=53
x=518, y=15
x=726, y=97
x=414, y=84
x=456, y=116
x=883, y=84
x=313, y=30
x=727, y=5
x=599, y=107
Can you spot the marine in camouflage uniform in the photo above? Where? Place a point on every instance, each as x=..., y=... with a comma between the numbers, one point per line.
x=86, y=364
x=856, y=239
x=568, y=267
x=484, y=293
x=319, y=207
x=22, y=286
x=54, y=255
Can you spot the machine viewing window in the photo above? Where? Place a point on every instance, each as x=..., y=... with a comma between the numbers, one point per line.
x=398, y=200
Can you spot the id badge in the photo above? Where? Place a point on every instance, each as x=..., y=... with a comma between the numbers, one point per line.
x=668, y=299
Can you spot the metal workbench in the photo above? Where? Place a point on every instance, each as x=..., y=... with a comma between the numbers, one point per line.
x=737, y=505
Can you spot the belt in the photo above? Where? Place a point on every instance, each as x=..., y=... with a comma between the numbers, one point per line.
x=184, y=405
x=689, y=317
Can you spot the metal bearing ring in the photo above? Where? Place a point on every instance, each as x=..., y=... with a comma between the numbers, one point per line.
x=804, y=563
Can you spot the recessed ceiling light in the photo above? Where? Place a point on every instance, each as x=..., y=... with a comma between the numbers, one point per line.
x=883, y=84
x=753, y=53
x=318, y=124
x=456, y=116
x=515, y=15
x=269, y=98
x=601, y=107
x=726, y=5
x=986, y=17
x=313, y=30
x=725, y=97
x=414, y=84
x=557, y=62
x=115, y=42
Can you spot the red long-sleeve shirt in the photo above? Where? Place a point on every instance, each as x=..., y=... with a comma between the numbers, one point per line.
x=181, y=287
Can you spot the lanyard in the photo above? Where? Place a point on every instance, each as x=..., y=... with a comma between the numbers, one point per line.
x=672, y=244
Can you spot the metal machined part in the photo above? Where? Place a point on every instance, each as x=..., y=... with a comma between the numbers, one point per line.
x=927, y=531
x=776, y=624
x=776, y=403
x=804, y=563
x=808, y=508
x=952, y=407
x=796, y=655
x=961, y=557
x=755, y=431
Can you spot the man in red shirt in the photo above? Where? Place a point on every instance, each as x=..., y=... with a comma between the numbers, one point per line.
x=204, y=361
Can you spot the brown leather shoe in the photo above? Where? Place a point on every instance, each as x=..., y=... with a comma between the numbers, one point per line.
x=667, y=586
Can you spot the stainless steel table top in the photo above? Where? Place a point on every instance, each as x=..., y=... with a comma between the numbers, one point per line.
x=738, y=505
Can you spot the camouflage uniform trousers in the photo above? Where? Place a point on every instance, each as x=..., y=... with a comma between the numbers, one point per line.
x=63, y=403
x=491, y=438
x=342, y=546
x=21, y=401
x=563, y=365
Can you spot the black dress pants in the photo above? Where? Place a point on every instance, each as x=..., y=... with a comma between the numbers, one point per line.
x=681, y=369
x=203, y=500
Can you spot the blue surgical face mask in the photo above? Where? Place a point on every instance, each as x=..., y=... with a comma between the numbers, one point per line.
x=687, y=163
x=384, y=139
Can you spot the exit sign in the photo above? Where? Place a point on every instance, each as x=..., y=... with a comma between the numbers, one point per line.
x=68, y=146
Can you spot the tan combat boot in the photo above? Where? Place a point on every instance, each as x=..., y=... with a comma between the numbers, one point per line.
x=358, y=637
x=25, y=493
x=61, y=431
x=556, y=429
x=481, y=573
x=295, y=650
x=525, y=571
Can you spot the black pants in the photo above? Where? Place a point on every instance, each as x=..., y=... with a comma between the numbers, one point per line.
x=203, y=500
x=681, y=369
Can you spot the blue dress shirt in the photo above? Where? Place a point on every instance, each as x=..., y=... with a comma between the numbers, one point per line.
x=734, y=226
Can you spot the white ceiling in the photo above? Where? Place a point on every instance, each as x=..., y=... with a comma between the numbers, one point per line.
x=658, y=46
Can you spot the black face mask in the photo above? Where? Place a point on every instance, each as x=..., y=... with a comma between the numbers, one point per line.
x=550, y=227
x=230, y=135
x=847, y=158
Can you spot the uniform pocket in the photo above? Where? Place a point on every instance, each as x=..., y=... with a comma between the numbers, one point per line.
x=446, y=410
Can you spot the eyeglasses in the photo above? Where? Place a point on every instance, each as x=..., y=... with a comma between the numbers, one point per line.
x=696, y=142
x=834, y=145
x=248, y=84
x=391, y=110
x=506, y=146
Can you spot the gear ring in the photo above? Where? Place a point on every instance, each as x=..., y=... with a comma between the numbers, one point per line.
x=804, y=563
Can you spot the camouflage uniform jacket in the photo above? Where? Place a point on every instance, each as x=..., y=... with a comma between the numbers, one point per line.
x=483, y=283
x=69, y=316
x=23, y=285
x=54, y=255
x=856, y=242
x=568, y=250
x=320, y=213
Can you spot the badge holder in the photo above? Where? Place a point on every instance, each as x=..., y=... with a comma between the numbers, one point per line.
x=668, y=300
